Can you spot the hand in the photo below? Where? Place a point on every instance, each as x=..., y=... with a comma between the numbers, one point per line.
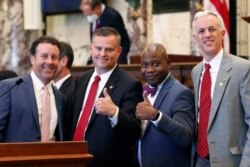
x=105, y=105
x=145, y=110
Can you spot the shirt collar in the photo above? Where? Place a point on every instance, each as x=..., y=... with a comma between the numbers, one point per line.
x=37, y=83
x=215, y=62
x=59, y=83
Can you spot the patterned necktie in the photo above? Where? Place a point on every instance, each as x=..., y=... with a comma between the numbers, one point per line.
x=150, y=89
x=46, y=113
x=86, y=112
x=205, y=106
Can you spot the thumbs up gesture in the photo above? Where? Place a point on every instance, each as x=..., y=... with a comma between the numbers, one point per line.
x=145, y=110
x=105, y=105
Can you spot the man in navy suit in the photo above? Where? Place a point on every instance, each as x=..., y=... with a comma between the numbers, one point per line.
x=100, y=15
x=167, y=114
x=21, y=98
x=112, y=128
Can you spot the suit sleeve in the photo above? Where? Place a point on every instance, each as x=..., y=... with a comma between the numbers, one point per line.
x=245, y=100
x=4, y=110
x=128, y=126
x=180, y=126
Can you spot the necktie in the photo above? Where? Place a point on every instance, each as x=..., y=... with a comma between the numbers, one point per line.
x=45, y=120
x=97, y=25
x=150, y=89
x=205, y=106
x=86, y=112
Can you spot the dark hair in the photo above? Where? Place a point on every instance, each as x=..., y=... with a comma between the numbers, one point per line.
x=44, y=39
x=107, y=31
x=94, y=3
x=5, y=74
x=66, y=50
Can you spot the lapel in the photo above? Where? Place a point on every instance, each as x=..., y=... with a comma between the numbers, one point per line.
x=58, y=103
x=111, y=86
x=81, y=86
x=220, y=86
x=196, y=81
x=161, y=96
x=164, y=91
x=59, y=109
x=31, y=98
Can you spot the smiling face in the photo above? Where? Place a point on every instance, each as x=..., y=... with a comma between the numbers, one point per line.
x=209, y=35
x=45, y=61
x=105, y=51
x=154, y=64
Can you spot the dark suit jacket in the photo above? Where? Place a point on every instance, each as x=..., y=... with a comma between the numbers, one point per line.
x=111, y=146
x=67, y=88
x=111, y=18
x=169, y=144
x=19, y=120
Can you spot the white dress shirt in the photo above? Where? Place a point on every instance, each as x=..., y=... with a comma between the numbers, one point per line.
x=38, y=89
x=102, y=83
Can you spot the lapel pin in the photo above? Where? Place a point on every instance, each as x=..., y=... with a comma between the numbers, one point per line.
x=111, y=87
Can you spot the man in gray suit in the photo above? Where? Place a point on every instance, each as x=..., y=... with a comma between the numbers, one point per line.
x=227, y=132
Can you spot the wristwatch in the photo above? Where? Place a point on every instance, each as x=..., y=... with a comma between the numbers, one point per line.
x=156, y=116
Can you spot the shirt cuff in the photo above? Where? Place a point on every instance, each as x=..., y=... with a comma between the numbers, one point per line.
x=156, y=122
x=114, y=119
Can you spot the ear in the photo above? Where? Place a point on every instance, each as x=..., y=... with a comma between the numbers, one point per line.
x=64, y=61
x=32, y=59
x=223, y=32
x=119, y=51
x=90, y=47
x=194, y=37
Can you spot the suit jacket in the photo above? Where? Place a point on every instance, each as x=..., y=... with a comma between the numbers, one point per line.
x=228, y=127
x=111, y=18
x=19, y=121
x=67, y=88
x=169, y=144
x=111, y=146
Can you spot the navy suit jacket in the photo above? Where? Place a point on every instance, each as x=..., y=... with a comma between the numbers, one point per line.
x=19, y=121
x=169, y=144
x=111, y=146
x=111, y=18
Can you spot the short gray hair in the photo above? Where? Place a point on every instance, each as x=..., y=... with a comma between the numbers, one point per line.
x=206, y=13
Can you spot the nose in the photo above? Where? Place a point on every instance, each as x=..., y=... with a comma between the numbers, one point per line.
x=150, y=68
x=207, y=32
x=103, y=52
x=49, y=60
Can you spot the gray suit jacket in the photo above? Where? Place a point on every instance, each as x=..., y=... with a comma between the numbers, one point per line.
x=19, y=114
x=228, y=127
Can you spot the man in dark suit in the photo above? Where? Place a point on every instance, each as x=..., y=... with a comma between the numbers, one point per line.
x=112, y=126
x=63, y=79
x=167, y=114
x=21, y=101
x=100, y=15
